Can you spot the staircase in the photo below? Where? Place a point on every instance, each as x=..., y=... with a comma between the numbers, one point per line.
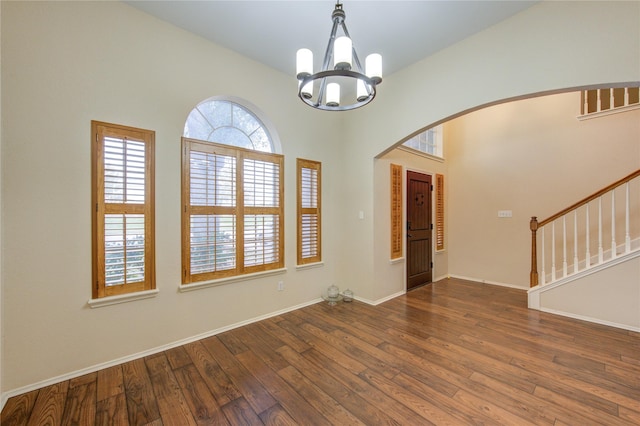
x=585, y=259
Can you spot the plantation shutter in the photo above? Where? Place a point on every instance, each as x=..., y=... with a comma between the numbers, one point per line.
x=262, y=212
x=233, y=211
x=308, y=211
x=396, y=211
x=123, y=246
x=439, y=212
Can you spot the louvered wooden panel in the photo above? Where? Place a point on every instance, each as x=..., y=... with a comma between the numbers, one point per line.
x=439, y=212
x=261, y=236
x=212, y=179
x=261, y=183
x=233, y=211
x=123, y=202
x=396, y=211
x=124, y=170
x=124, y=239
x=308, y=211
x=213, y=242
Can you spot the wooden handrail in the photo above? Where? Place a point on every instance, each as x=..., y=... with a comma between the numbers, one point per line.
x=590, y=198
x=534, y=225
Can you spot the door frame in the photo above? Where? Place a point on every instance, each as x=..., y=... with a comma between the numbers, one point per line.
x=404, y=221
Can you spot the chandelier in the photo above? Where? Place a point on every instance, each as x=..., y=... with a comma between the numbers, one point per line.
x=342, y=83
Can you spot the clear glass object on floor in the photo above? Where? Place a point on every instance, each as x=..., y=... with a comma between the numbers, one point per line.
x=347, y=295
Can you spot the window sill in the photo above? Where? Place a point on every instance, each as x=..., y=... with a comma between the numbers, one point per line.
x=420, y=153
x=121, y=298
x=396, y=260
x=222, y=281
x=309, y=266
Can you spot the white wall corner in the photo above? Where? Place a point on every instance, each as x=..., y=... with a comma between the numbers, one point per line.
x=534, y=298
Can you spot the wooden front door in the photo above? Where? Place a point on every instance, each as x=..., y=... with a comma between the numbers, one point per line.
x=419, y=230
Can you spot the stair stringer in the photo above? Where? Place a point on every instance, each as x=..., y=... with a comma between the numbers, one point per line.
x=607, y=294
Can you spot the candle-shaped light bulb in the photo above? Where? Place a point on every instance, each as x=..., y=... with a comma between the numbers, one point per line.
x=333, y=94
x=373, y=67
x=342, y=53
x=304, y=63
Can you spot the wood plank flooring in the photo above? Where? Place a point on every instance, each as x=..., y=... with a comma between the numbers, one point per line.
x=453, y=352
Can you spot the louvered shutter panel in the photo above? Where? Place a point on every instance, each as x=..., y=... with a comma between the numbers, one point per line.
x=212, y=190
x=262, y=212
x=439, y=212
x=309, y=242
x=233, y=213
x=396, y=211
x=123, y=197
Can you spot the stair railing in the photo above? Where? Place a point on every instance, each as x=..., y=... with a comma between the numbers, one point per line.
x=578, y=217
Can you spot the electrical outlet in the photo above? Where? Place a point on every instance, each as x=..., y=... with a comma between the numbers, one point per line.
x=280, y=285
x=505, y=213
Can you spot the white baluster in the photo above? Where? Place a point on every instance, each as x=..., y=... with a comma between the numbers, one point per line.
x=627, y=234
x=600, y=250
x=544, y=274
x=626, y=96
x=553, y=251
x=612, y=100
x=575, y=241
x=587, y=262
x=564, y=245
x=613, y=225
x=585, y=107
x=599, y=104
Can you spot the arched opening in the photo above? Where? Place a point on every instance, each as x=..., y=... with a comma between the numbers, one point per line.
x=512, y=159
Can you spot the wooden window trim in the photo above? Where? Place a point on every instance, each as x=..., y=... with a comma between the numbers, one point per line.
x=396, y=212
x=306, y=210
x=100, y=208
x=239, y=210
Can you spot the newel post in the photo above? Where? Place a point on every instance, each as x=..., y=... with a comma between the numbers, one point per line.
x=533, y=278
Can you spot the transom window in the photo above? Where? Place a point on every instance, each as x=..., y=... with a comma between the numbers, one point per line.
x=228, y=123
x=232, y=194
x=428, y=142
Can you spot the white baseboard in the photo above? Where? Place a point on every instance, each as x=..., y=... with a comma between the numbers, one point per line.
x=483, y=281
x=590, y=319
x=48, y=382
x=379, y=301
x=440, y=278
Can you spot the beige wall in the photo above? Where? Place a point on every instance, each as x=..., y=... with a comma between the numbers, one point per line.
x=532, y=157
x=610, y=296
x=393, y=274
x=64, y=65
x=549, y=47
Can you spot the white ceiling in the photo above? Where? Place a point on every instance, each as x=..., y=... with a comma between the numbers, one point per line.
x=271, y=32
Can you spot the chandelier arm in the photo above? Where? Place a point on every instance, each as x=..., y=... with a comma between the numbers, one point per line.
x=322, y=75
x=328, y=55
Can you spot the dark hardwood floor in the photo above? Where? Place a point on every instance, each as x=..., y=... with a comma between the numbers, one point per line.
x=453, y=352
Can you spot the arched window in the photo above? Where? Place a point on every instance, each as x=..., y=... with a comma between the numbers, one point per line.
x=232, y=193
x=229, y=122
